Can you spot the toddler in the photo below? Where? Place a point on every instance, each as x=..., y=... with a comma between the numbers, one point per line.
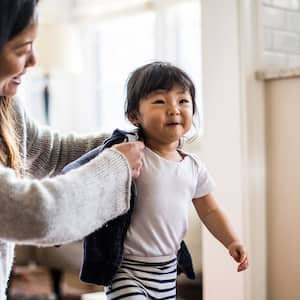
x=161, y=104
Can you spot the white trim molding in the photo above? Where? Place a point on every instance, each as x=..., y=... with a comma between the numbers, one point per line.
x=253, y=147
x=233, y=102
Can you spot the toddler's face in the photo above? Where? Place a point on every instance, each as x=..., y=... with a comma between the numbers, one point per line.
x=165, y=116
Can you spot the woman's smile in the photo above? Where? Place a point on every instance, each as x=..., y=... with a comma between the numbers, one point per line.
x=17, y=80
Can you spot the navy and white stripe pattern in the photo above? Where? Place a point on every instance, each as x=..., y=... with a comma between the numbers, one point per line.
x=144, y=278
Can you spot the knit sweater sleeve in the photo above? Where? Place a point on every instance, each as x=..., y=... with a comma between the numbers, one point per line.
x=63, y=208
x=66, y=207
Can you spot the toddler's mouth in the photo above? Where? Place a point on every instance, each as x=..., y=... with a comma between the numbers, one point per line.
x=173, y=123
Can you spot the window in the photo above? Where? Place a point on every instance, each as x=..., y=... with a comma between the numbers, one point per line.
x=116, y=36
x=122, y=45
x=130, y=39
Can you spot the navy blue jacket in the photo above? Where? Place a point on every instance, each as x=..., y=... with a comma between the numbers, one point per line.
x=103, y=249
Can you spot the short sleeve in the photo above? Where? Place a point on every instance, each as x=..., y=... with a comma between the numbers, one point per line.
x=205, y=182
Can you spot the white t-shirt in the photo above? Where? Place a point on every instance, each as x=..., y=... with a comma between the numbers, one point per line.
x=165, y=190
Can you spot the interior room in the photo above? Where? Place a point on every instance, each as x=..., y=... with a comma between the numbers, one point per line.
x=244, y=58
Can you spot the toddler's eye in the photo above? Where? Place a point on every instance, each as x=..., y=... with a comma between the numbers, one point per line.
x=182, y=101
x=159, y=101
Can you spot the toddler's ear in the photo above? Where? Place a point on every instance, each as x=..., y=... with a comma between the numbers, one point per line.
x=133, y=118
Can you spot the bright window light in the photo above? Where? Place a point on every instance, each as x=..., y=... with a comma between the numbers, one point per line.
x=170, y=32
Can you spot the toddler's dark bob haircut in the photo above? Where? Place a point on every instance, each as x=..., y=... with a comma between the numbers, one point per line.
x=155, y=76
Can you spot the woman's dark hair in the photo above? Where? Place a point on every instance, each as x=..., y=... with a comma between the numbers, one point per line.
x=15, y=15
x=152, y=77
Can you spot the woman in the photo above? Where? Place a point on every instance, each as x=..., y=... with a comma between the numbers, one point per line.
x=36, y=209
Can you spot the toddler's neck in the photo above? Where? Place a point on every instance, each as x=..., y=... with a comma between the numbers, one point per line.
x=167, y=151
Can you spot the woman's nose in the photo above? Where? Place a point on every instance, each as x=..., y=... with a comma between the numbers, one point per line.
x=31, y=60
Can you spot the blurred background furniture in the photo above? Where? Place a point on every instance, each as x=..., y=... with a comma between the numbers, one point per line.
x=57, y=260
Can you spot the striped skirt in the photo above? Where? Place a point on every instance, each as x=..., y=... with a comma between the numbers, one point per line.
x=144, y=278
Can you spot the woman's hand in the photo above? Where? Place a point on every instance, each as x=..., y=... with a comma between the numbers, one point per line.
x=238, y=252
x=133, y=151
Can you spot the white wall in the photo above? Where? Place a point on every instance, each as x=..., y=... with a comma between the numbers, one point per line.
x=283, y=105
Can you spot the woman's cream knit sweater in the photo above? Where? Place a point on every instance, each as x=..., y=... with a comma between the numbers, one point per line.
x=40, y=210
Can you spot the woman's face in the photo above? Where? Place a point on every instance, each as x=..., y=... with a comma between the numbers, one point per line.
x=15, y=57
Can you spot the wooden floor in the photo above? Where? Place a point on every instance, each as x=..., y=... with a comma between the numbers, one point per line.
x=189, y=289
x=34, y=284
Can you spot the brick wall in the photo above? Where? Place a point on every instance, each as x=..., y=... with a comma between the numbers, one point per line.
x=281, y=29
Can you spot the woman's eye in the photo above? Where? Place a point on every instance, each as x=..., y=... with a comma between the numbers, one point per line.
x=21, y=53
x=24, y=50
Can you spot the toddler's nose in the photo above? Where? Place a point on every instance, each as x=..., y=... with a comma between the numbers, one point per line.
x=173, y=110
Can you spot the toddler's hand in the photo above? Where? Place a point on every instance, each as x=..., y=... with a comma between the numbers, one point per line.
x=238, y=252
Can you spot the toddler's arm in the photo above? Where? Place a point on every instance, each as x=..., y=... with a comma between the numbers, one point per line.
x=216, y=222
